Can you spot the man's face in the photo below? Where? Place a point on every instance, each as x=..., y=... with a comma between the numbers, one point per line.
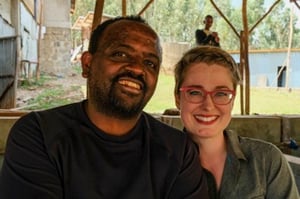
x=124, y=70
x=208, y=23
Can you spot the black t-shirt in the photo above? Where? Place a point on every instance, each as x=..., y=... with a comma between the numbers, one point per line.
x=203, y=39
x=59, y=153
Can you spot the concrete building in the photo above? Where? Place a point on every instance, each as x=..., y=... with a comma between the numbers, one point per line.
x=24, y=49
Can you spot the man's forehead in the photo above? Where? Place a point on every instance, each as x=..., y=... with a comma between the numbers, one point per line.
x=124, y=31
x=129, y=25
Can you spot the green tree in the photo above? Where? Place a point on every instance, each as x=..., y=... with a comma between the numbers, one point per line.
x=177, y=20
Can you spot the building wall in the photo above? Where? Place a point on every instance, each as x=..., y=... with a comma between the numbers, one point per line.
x=56, y=44
x=5, y=7
x=29, y=33
x=5, y=28
x=8, y=52
x=55, y=50
x=263, y=64
x=57, y=13
x=264, y=67
x=172, y=51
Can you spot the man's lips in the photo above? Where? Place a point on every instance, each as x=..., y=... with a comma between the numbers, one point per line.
x=130, y=84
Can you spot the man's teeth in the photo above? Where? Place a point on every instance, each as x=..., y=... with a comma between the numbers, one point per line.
x=130, y=84
x=206, y=119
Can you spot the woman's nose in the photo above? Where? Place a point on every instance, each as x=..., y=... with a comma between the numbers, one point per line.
x=208, y=102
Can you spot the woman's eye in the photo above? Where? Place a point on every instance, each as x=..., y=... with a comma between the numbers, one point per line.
x=221, y=93
x=195, y=92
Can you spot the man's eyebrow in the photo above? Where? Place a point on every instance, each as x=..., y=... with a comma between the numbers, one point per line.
x=155, y=56
x=146, y=54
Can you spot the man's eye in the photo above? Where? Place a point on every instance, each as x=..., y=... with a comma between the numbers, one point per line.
x=150, y=64
x=119, y=54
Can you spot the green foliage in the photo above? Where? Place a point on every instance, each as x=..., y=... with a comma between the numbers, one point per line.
x=52, y=97
x=262, y=100
x=31, y=83
x=177, y=20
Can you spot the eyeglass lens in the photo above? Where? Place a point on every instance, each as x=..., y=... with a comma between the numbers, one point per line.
x=220, y=97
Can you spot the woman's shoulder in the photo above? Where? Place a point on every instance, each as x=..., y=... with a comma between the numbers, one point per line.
x=253, y=146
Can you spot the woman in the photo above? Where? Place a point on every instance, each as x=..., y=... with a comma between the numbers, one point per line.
x=237, y=167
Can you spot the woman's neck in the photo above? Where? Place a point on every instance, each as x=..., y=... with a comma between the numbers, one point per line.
x=213, y=156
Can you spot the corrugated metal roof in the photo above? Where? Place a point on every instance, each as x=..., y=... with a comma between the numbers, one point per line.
x=87, y=20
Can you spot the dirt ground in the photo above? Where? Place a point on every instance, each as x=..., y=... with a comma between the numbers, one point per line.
x=73, y=84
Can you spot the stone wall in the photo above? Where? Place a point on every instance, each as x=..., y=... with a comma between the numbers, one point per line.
x=270, y=128
x=55, y=50
x=172, y=52
x=275, y=129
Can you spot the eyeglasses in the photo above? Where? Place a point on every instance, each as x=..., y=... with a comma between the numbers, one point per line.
x=196, y=95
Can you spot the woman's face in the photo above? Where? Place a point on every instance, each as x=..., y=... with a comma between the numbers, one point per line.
x=205, y=119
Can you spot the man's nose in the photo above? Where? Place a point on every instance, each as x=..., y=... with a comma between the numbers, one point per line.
x=136, y=67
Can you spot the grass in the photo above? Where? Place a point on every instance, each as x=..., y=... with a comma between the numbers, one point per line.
x=48, y=99
x=262, y=100
x=50, y=96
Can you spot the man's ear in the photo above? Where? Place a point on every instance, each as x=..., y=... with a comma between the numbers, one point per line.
x=86, y=59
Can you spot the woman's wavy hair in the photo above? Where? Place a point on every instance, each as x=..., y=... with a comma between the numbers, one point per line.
x=209, y=55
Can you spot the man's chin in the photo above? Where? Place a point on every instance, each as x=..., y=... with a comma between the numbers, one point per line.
x=122, y=109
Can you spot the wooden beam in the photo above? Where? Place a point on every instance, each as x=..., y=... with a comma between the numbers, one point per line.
x=98, y=11
x=145, y=7
x=124, y=7
x=292, y=159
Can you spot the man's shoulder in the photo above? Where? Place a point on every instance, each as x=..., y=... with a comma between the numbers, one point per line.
x=162, y=132
x=49, y=121
x=259, y=147
x=159, y=125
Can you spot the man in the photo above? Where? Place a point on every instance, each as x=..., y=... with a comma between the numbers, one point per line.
x=105, y=146
x=205, y=36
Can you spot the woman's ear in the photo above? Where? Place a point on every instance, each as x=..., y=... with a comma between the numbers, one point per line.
x=177, y=99
x=86, y=59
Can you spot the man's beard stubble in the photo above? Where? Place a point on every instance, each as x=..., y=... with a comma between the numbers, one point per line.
x=108, y=101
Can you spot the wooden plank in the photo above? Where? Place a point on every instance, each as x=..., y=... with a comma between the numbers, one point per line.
x=98, y=13
x=292, y=159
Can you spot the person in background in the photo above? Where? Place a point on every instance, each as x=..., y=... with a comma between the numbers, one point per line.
x=206, y=36
x=206, y=80
x=105, y=146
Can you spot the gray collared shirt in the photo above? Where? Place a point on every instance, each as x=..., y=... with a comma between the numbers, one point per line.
x=254, y=169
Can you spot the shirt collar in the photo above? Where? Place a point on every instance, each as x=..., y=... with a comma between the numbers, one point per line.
x=234, y=144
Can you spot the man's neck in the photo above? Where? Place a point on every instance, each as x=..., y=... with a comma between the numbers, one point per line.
x=109, y=124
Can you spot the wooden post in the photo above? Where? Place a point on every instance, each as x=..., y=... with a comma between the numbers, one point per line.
x=245, y=41
x=242, y=66
x=124, y=6
x=145, y=7
x=289, y=49
x=98, y=13
x=39, y=40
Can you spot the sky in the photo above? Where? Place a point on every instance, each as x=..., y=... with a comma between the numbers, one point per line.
x=268, y=4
